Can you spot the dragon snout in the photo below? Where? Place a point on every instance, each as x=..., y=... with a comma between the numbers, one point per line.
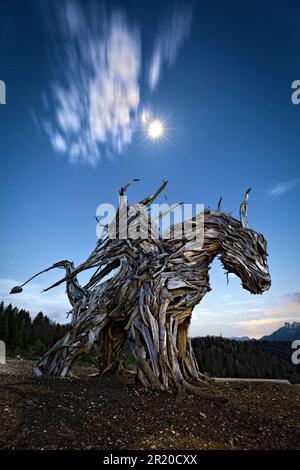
x=265, y=283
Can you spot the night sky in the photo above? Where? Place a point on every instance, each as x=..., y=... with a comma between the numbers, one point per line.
x=79, y=75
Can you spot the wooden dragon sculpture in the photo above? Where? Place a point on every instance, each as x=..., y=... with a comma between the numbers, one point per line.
x=148, y=299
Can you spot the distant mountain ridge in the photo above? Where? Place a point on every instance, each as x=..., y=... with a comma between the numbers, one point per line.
x=240, y=338
x=289, y=332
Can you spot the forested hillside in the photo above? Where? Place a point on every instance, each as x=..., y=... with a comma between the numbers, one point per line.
x=25, y=336
x=222, y=357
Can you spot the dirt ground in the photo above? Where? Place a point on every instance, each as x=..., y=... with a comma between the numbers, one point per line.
x=92, y=413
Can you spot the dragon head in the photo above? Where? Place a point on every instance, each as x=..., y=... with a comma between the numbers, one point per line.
x=244, y=251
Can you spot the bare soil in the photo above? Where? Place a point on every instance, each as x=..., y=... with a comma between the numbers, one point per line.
x=112, y=413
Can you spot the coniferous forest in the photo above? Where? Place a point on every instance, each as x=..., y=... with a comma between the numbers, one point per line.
x=216, y=356
x=221, y=357
x=27, y=337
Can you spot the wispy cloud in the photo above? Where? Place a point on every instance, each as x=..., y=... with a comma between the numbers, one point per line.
x=291, y=305
x=54, y=304
x=97, y=99
x=271, y=318
x=257, y=328
x=242, y=303
x=282, y=187
x=171, y=36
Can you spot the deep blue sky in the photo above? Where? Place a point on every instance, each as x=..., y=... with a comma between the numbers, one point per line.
x=227, y=96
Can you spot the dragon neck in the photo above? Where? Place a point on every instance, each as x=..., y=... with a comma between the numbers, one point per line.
x=213, y=234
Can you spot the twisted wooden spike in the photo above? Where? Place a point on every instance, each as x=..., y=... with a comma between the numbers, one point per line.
x=244, y=210
x=124, y=188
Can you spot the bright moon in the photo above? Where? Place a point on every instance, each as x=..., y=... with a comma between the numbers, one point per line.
x=155, y=129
